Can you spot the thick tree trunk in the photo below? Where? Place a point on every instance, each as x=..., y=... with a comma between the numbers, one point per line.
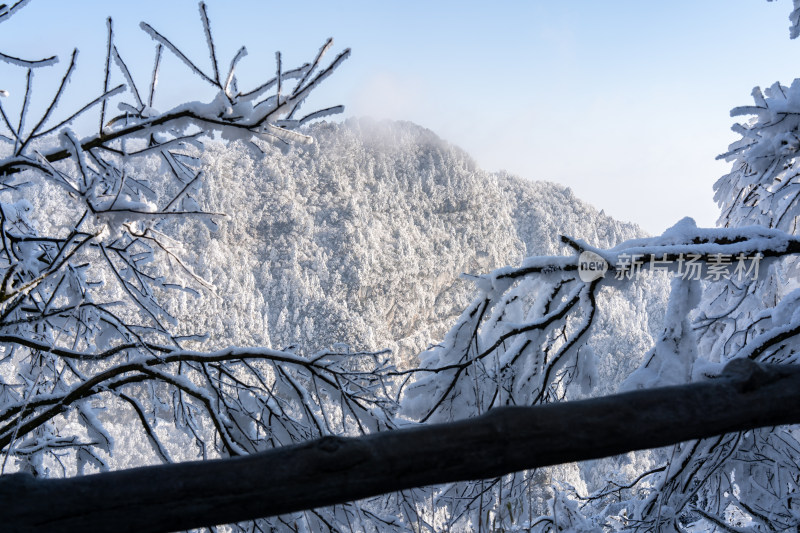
x=334, y=470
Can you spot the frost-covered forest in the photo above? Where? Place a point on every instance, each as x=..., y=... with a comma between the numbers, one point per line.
x=215, y=280
x=361, y=238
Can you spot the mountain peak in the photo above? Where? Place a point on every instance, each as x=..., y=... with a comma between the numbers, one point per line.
x=361, y=237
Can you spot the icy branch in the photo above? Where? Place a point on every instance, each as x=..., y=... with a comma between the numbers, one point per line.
x=335, y=470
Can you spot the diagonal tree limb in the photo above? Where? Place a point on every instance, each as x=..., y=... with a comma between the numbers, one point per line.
x=334, y=469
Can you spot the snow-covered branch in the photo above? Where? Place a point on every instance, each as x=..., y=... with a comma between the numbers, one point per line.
x=335, y=469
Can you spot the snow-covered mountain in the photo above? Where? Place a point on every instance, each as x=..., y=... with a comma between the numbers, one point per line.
x=361, y=237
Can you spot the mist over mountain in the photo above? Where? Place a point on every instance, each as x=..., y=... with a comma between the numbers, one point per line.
x=360, y=238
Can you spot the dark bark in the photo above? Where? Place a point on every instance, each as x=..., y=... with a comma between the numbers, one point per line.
x=334, y=470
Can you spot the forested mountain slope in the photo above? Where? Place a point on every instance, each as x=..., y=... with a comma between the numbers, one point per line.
x=361, y=237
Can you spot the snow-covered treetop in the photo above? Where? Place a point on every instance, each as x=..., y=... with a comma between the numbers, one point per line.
x=762, y=186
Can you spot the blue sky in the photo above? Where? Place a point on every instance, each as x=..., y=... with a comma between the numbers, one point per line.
x=625, y=101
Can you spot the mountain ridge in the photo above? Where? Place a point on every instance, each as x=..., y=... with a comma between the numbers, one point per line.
x=361, y=238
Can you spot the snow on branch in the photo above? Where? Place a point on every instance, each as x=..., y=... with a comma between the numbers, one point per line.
x=7, y=11
x=88, y=277
x=762, y=186
x=335, y=469
x=521, y=335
